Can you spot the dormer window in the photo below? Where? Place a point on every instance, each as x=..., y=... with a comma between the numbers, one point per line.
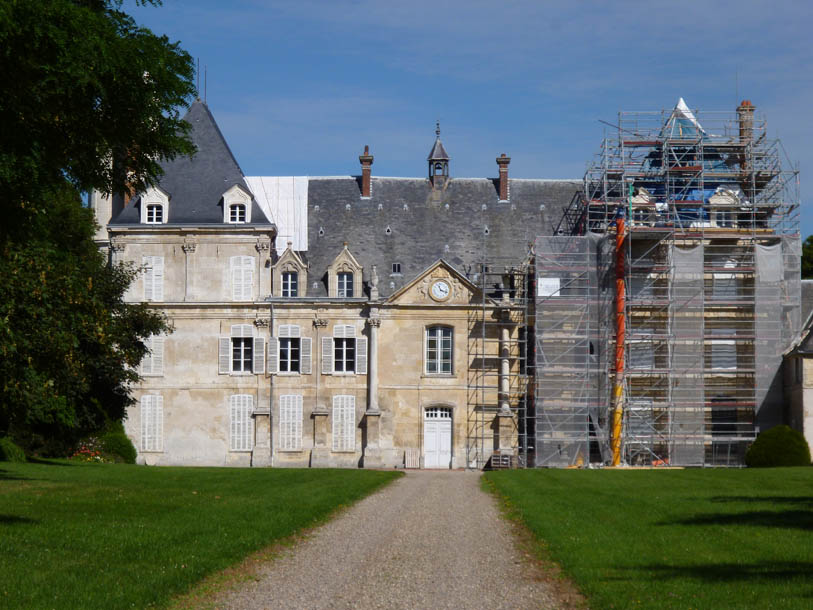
x=154, y=206
x=345, y=289
x=155, y=213
x=236, y=205
x=237, y=213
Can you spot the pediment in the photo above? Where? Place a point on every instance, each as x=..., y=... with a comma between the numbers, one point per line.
x=344, y=261
x=420, y=290
x=289, y=261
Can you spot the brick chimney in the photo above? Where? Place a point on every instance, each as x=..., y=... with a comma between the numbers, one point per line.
x=503, y=162
x=745, y=118
x=366, y=170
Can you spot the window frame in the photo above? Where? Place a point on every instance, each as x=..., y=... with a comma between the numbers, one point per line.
x=290, y=283
x=235, y=215
x=438, y=330
x=252, y=351
x=287, y=347
x=242, y=364
x=346, y=278
x=342, y=346
x=154, y=214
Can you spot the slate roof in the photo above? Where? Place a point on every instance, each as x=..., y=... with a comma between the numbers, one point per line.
x=459, y=226
x=196, y=184
x=438, y=153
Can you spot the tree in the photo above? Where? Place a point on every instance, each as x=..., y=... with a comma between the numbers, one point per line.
x=807, y=258
x=89, y=100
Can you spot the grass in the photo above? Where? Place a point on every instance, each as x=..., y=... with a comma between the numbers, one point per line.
x=115, y=536
x=674, y=538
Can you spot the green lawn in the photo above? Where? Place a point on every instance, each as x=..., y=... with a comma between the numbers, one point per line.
x=115, y=536
x=673, y=538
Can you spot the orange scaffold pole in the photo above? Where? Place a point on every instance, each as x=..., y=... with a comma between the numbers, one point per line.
x=620, y=334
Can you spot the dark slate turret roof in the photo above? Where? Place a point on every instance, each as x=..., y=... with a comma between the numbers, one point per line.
x=196, y=184
x=422, y=226
x=438, y=153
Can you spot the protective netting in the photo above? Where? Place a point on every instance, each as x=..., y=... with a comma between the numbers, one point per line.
x=567, y=362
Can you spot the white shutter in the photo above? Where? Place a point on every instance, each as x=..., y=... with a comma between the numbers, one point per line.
x=146, y=261
x=240, y=422
x=344, y=423
x=290, y=422
x=242, y=277
x=258, y=366
x=289, y=331
x=224, y=356
x=361, y=356
x=305, y=356
x=158, y=423
x=327, y=355
x=153, y=363
x=242, y=330
x=273, y=355
x=158, y=278
x=344, y=331
x=152, y=423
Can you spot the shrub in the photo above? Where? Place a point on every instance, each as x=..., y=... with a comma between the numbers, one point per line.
x=9, y=452
x=119, y=445
x=779, y=446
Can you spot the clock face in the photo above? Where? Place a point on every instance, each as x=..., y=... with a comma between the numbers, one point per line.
x=441, y=290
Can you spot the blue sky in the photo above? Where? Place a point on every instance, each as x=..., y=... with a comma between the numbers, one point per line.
x=298, y=88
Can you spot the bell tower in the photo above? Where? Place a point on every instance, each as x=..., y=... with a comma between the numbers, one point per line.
x=438, y=162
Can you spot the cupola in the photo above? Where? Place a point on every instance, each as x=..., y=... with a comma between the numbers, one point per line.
x=438, y=162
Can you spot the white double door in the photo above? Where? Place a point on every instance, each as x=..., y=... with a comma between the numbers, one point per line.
x=437, y=439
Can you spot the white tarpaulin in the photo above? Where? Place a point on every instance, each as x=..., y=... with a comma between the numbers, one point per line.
x=682, y=111
x=284, y=199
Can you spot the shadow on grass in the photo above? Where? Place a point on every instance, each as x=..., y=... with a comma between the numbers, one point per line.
x=787, y=519
x=49, y=462
x=14, y=519
x=764, y=573
x=803, y=501
x=5, y=475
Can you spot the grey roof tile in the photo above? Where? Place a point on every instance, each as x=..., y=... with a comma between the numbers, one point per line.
x=403, y=223
x=196, y=184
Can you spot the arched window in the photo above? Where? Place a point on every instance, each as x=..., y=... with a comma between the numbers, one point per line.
x=237, y=213
x=155, y=213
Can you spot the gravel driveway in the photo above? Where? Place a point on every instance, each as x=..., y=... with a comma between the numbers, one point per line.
x=429, y=540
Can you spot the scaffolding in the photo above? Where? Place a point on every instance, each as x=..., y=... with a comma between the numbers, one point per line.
x=711, y=293
x=498, y=375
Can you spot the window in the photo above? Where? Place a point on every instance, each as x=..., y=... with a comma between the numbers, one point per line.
x=242, y=277
x=725, y=218
x=344, y=423
x=242, y=353
x=241, y=430
x=396, y=267
x=155, y=213
x=237, y=213
x=153, y=363
x=439, y=350
x=289, y=352
x=289, y=355
x=152, y=423
x=290, y=422
x=345, y=279
x=344, y=353
x=289, y=283
x=153, y=277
